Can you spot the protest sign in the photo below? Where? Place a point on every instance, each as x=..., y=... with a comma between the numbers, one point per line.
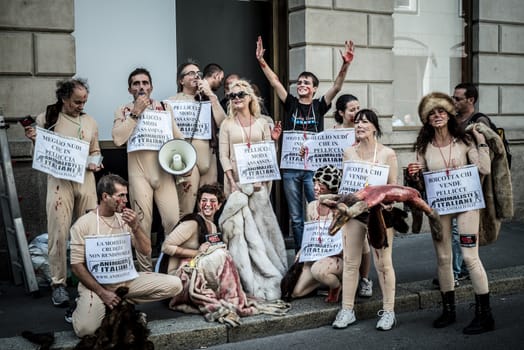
x=455, y=190
x=327, y=148
x=291, y=143
x=110, y=258
x=153, y=129
x=60, y=156
x=357, y=174
x=256, y=162
x=317, y=243
x=193, y=118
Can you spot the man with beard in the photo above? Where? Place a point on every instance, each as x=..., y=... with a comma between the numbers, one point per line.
x=101, y=258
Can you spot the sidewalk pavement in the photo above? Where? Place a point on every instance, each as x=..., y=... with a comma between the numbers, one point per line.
x=415, y=266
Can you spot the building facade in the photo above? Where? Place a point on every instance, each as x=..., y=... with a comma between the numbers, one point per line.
x=404, y=49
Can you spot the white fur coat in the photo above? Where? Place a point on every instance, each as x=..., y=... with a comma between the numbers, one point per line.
x=251, y=231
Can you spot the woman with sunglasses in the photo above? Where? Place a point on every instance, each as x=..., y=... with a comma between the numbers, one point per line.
x=191, y=87
x=249, y=225
x=243, y=124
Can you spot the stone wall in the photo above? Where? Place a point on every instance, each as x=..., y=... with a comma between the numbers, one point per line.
x=498, y=68
x=36, y=50
x=317, y=31
x=318, y=28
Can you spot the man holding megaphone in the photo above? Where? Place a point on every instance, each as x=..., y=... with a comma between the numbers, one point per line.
x=198, y=113
x=145, y=125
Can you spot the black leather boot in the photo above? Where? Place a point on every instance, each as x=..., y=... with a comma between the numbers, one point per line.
x=448, y=310
x=483, y=321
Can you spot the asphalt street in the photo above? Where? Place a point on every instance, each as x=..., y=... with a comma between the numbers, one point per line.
x=413, y=331
x=413, y=259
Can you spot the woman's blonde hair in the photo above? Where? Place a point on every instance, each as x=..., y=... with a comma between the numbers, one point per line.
x=254, y=104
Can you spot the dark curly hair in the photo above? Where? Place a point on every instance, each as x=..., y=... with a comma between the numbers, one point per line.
x=64, y=90
x=215, y=189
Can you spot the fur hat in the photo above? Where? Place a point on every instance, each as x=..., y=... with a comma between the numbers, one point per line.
x=329, y=176
x=432, y=101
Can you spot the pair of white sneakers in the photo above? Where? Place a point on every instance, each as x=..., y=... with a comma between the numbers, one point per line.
x=346, y=317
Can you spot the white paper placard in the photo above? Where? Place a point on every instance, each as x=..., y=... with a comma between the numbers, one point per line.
x=257, y=163
x=454, y=191
x=317, y=243
x=153, y=129
x=189, y=113
x=357, y=174
x=60, y=156
x=327, y=147
x=291, y=143
x=110, y=258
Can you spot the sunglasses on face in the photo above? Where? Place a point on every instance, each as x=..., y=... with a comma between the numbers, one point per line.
x=240, y=94
x=193, y=74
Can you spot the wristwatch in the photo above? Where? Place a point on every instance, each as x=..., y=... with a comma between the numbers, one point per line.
x=134, y=116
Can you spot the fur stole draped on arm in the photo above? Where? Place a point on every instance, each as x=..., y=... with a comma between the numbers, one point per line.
x=496, y=187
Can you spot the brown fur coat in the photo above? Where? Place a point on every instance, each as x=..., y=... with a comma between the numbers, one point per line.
x=497, y=188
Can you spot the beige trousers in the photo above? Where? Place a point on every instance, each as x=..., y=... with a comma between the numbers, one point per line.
x=204, y=172
x=354, y=235
x=65, y=200
x=468, y=225
x=148, y=286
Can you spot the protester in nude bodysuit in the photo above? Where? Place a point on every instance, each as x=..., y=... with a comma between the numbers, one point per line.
x=191, y=87
x=67, y=199
x=148, y=182
x=368, y=149
x=442, y=145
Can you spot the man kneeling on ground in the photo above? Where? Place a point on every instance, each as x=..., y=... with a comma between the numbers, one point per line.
x=101, y=258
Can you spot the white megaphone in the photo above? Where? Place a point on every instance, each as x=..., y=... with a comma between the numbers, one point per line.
x=177, y=157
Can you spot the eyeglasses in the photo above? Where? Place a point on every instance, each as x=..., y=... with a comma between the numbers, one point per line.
x=304, y=82
x=120, y=195
x=458, y=99
x=193, y=74
x=240, y=94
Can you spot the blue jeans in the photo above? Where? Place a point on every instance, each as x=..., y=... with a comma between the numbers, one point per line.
x=297, y=183
x=455, y=246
